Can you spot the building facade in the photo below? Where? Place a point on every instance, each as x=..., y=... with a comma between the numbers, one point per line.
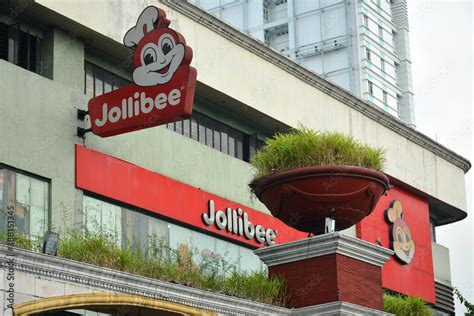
x=362, y=46
x=166, y=181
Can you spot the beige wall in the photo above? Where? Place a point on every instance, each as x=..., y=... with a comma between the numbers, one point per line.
x=239, y=73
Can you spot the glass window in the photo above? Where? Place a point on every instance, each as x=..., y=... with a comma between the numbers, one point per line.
x=178, y=236
x=102, y=217
x=370, y=87
x=98, y=80
x=194, y=129
x=19, y=47
x=239, y=146
x=249, y=261
x=231, y=142
x=142, y=231
x=382, y=64
x=224, y=140
x=229, y=252
x=385, y=97
x=203, y=246
x=368, y=54
x=30, y=198
x=89, y=79
x=178, y=127
x=187, y=128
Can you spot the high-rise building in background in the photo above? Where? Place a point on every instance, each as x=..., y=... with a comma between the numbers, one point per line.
x=360, y=45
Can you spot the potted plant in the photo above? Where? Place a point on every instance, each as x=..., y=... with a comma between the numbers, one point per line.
x=305, y=176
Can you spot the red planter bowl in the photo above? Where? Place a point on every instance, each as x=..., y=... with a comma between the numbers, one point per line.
x=302, y=198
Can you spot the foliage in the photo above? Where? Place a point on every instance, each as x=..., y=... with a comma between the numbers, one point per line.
x=306, y=147
x=405, y=305
x=469, y=306
x=158, y=261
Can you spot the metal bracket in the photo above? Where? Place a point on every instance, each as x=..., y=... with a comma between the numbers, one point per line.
x=81, y=114
x=81, y=132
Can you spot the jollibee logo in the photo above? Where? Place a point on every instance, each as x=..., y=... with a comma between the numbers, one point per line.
x=163, y=80
x=159, y=50
x=401, y=240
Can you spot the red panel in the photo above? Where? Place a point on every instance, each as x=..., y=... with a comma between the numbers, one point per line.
x=128, y=183
x=417, y=277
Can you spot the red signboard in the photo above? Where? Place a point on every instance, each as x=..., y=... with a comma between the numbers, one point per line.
x=122, y=181
x=128, y=183
x=164, y=82
x=401, y=221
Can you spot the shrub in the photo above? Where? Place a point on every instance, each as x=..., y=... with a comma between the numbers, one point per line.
x=306, y=147
x=405, y=305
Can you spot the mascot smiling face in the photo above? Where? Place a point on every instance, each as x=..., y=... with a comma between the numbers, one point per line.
x=400, y=235
x=159, y=50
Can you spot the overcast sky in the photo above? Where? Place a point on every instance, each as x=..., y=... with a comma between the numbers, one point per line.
x=441, y=43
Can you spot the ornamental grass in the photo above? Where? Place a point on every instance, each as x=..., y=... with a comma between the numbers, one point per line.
x=400, y=305
x=205, y=270
x=305, y=147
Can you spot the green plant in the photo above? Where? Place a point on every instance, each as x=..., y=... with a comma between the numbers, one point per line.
x=405, y=305
x=305, y=147
x=469, y=306
x=174, y=265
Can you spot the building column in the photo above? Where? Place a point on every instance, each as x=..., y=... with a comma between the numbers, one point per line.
x=330, y=273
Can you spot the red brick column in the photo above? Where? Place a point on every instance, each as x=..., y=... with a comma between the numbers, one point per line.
x=329, y=268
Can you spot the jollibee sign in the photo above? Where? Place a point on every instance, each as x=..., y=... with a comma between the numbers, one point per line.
x=237, y=222
x=164, y=81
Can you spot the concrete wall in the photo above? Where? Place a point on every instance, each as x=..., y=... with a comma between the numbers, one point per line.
x=222, y=65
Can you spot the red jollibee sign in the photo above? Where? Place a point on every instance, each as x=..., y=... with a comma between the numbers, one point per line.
x=164, y=82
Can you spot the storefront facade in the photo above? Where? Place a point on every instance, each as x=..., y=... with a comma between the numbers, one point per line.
x=187, y=182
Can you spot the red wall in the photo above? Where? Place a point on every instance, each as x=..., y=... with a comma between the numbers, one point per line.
x=417, y=277
x=122, y=181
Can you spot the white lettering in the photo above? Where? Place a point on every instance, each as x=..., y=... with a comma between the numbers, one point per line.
x=174, y=97
x=134, y=106
x=114, y=114
x=104, y=116
x=160, y=101
x=146, y=103
x=237, y=222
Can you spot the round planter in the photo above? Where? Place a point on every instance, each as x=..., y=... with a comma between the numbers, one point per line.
x=303, y=198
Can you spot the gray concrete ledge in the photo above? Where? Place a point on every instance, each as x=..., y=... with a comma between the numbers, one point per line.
x=61, y=270
x=324, y=245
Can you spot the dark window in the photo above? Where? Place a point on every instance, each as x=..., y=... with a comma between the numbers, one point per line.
x=218, y=135
x=368, y=55
x=385, y=97
x=371, y=87
x=98, y=81
x=366, y=20
x=20, y=48
x=382, y=64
